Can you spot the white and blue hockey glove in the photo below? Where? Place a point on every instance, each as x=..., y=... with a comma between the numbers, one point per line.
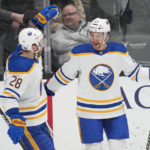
x=16, y=128
x=48, y=91
x=45, y=15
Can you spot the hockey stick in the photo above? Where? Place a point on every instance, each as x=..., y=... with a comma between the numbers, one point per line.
x=8, y=123
x=148, y=142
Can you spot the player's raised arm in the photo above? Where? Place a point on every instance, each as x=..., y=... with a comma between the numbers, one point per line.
x=64, y=75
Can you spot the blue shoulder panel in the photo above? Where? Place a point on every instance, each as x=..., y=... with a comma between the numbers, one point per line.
x=82, y=48
x=17, y=63
x=116, y=47
x=85, y=49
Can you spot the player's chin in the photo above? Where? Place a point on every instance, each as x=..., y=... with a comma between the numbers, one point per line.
x=96, y=46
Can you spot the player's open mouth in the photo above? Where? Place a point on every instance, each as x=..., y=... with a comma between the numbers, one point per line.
x=96, y=43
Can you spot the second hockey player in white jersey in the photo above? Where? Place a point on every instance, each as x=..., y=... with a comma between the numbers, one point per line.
x=99, y=101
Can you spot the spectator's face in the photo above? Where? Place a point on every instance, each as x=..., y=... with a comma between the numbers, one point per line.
x=71, y=17
x=97, y=40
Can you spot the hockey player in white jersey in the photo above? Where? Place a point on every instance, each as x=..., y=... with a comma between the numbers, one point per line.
x=24, y=98
x=100, y=104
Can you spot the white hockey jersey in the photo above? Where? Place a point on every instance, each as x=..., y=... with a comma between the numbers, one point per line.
x=23, y=88
x=99, y=95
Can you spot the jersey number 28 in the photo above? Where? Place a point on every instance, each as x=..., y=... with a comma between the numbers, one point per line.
x=16, y=82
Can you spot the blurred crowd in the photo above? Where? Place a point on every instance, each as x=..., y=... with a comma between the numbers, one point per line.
x=67, y=30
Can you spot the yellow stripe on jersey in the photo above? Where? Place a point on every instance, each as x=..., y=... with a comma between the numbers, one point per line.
x=135, y=73
x=99, y=101
x=8, y=93
x=61, y=77
x=31, y=140
x=79, y=54
x=118, y=53
x=100, y=111
x=33, y=107
x=133, y=78
x=36, y=117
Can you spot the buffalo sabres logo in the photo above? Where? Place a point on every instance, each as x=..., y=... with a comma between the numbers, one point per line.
x=101, y=77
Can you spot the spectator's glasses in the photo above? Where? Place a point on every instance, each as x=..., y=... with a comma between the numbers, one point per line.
x=69, y=14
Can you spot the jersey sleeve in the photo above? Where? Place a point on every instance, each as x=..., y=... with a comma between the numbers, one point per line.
x=143, y=74
x=64, y=75
x=14, y=87
x=135, y=71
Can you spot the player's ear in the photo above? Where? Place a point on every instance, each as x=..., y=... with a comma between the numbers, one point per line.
x=34, y=47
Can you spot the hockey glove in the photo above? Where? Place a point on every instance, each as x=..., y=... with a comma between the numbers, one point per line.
x=45, y=15
x=16, y=129
x=48, y=91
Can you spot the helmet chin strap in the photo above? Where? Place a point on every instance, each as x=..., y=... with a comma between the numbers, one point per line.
x=104, y=41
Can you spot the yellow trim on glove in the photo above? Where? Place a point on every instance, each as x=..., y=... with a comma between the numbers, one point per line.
x=41, y=18
x=18, y=122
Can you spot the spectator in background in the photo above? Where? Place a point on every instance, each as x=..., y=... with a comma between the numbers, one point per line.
x=73, y=32
x=56, y=23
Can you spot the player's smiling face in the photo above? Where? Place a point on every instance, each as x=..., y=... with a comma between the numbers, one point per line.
x=96, y=39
